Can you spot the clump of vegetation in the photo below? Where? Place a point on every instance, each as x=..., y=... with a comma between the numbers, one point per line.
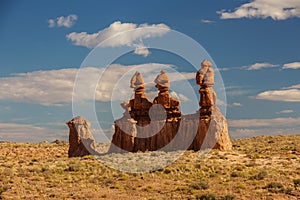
x=228, y=197
x=260, y=175
x=201, y=185
x=296, y=183
x=167, y=171
x=207, y=196
x=3, y=189
x=73, y=167
x=234, y=174
x=275, y=187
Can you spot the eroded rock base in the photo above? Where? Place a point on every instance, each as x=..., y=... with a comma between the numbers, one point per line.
x=192, y=132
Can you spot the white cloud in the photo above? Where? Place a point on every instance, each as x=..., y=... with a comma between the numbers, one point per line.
x=121, y=75
x=293, y=87
x=29, y=133
x=44, y=87
x=285, y=112
x=237, y=90
x=52, y=23
x=286, y=95
x=258, y=66
x=276, y=9
x=236, y=104
x=223, y=69
x=294, y=65
x=140, y=49
x=128, y=34
x=67, y=21
x=55, y=87
x=207, y=21
x=222, y=103
x=255, y=66
x=276, y=122
x=247, y=133
x=179, y=96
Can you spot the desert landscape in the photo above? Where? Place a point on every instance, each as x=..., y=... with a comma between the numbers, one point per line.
x=150, y=100
x=264, y=167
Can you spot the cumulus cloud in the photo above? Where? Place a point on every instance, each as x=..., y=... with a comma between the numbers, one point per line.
x=276, y=122
x=275, y=9
x=141, y=50
x=286, y=95
x=51, y=23
x=258, y=66
x=128, y=34
x=115, y=77
x=294, y=65
x=55, y=87
x=66, y=21
x=285, y=112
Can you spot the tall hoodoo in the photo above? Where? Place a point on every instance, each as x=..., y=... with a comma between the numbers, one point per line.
x=170, y=104
x=205, y=78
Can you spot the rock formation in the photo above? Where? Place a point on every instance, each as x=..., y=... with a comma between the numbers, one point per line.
x=140, y=105
x=147, y=126
x=81, y=140
x=215, y=133
x=170, y=104
x=205, y=78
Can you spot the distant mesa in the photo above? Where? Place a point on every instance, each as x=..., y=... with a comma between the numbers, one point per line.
x=160, y=125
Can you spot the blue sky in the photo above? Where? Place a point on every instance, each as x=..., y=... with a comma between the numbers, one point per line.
x=255, y=45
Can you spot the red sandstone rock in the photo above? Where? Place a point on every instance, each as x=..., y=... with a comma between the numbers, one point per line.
x=81, y=140
x=204, y=129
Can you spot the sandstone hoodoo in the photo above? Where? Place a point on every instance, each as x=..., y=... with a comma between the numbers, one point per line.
x=171, y=105
x=159, y=125
x=81, y=139
x=215, y=133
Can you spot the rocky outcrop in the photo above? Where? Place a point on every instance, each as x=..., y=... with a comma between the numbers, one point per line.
x=81, y=140
x=212, y=132
x=147, y=126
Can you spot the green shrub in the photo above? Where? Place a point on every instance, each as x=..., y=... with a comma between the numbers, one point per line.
x=260, y=176
x=73, y=167
x=182, y=189
x=275, y=187
x=228, y=197
x=234, y=174
x=296, y=183
x=167, y=171
x=199, y=186
x=3, y=189
x=207, y=196
x=52, y=195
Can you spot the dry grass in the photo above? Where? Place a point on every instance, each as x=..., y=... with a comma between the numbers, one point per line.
x=257, y=168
